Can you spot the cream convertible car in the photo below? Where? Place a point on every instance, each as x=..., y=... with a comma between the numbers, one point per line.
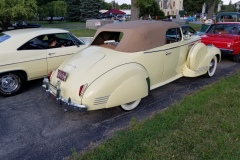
x=25, y=55
x=127, y=60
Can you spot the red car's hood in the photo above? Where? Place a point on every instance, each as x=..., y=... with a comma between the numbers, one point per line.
x=219, y=40
x=219, y=37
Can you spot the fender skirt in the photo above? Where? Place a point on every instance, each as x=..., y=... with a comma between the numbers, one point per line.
x=199, y=58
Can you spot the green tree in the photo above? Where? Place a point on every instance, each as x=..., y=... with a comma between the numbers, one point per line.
x=53, y=9
x=73, y=9
x=83, y=9
x=16, y=10
x=148, y=7
x=230, y=7
x=88, y=10
x=193, y=6
x=124, y=6
x=106, y=5
x=43, y=2
x=211, y=7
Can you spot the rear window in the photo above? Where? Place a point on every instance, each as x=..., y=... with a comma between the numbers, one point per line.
x=108, y=39
x=3, y=37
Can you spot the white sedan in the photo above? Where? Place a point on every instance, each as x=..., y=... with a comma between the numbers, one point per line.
x=25, y=55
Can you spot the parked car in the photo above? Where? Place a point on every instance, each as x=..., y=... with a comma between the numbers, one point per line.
x=225, y=36
x=54, y=18
x=25, y=56
x=190, y=19
x=228, y=17
x=127, y=60
x=23, y=24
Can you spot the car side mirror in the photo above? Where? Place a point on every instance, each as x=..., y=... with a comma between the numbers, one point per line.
x=187, y=35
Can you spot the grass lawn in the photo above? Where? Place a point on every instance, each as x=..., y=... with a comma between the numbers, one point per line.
x=197, y=27
x=78, y=28
x=204, y=125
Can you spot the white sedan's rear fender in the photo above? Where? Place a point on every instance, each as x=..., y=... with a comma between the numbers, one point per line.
x=119, y=85
x=199, y=58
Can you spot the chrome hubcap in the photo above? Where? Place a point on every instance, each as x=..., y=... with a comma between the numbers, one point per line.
x=8, y=83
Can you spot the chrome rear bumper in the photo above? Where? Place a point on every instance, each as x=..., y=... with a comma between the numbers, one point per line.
x=48, y=88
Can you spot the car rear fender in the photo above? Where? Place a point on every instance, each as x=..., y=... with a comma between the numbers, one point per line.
x=134, y=88
x=120, y=85
x=199, y=58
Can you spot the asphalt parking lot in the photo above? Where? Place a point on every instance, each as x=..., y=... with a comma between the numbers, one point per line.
x=34, y=127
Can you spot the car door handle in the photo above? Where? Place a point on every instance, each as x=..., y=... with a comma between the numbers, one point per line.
x=167, y=53
x=50, y=54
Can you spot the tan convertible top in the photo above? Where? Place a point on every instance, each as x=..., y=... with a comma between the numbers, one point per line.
x=137, y=35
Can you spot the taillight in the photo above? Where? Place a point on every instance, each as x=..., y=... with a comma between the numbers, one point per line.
x=50, y=74
x=82, y=89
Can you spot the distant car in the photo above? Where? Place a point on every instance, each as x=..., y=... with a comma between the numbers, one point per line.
x=54, y=18
x=120, y=17
x=23, y=24
x=225, y=36
x=125, y=61
x=25, y=55
x=190, y=19
x=167, y=20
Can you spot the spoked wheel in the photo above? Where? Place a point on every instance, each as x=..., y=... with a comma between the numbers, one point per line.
x=236, y=58
x=10, y=84
x=130, y=106
x=212, y=67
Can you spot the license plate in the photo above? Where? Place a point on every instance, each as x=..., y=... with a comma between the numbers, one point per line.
x=61, y=75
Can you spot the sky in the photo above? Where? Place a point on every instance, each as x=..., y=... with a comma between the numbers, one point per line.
x=227, y=1
x=129, y=1
x=120, y=1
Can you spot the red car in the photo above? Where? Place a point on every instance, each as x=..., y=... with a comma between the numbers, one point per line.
x=226, y=37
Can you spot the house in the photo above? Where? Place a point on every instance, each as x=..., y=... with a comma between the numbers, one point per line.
x=170, y=7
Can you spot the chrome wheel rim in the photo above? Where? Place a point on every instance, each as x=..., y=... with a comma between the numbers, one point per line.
x=9, y=83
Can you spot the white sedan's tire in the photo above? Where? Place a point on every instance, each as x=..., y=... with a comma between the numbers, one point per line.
x=11, y=83
x=212, y=67
x=130, y=106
